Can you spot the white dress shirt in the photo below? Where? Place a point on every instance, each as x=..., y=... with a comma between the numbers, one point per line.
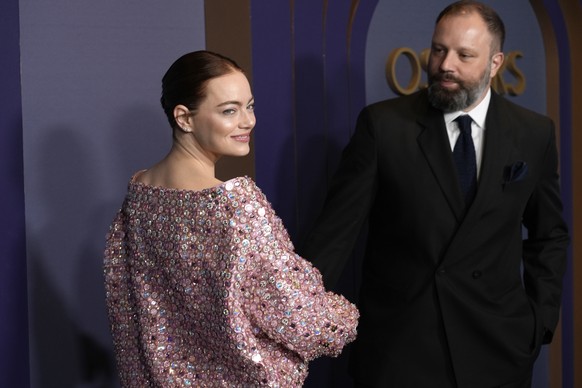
x=478, y=115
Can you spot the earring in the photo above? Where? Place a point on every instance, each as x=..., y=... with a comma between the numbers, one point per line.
x=186, y=129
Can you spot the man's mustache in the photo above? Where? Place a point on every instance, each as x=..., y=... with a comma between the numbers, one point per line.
x=445, y=77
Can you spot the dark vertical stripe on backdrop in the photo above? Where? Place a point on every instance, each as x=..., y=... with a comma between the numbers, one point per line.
x=308, y=80
x=565, y=81
x=13, y=288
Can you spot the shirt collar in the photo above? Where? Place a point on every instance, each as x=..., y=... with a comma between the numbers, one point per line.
x=478, y=113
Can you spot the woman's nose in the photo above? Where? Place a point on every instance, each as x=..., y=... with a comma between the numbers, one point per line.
x=248, y=120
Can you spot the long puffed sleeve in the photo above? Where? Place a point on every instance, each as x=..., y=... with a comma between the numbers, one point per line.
x=283, y=294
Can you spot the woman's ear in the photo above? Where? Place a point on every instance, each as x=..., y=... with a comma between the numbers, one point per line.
x=182, y=116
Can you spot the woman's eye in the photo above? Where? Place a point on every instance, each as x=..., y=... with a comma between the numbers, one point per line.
x=229, y=112
x=251, y=107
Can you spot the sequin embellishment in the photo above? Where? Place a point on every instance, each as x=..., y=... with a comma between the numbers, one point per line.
x=204, y=289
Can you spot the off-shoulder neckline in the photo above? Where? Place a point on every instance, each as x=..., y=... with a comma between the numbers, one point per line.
x=222, y=185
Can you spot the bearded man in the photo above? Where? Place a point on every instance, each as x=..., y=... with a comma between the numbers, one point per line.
x=452, y=294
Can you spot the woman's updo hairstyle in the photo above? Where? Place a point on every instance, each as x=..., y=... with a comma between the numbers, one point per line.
x=185, y=81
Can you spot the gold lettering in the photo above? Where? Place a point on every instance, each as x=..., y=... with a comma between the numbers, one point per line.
x=419, y=64
x=519, y=87
x=424, y=54
x=391, y=71
x=500, y=85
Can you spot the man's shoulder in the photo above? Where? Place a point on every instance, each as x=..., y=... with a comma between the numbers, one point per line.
x=409, y=103
x=519, y=112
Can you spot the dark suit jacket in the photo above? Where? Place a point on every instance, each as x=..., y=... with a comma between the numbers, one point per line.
x=442, y=300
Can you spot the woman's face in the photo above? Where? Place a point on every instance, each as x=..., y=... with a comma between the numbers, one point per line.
x=223, y=122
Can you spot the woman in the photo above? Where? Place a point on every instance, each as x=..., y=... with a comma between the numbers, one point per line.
x=203, y=285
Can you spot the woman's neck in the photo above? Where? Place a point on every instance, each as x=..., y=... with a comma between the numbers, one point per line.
x=182, y=168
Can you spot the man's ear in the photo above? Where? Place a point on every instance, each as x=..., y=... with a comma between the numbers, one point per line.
x=496, y=62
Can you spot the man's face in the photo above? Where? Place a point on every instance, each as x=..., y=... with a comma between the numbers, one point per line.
x=461, y=63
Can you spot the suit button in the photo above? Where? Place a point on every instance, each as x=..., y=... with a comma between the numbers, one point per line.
x=441, y=271
x=477, y=274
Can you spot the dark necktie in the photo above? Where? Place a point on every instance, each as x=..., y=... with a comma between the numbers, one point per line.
x=464, y=156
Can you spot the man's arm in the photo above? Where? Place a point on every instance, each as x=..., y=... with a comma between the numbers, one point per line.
x=545, y=249
x=348, y=202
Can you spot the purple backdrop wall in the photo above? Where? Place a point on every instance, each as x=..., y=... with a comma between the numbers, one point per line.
x=565, y=87
x=310, y=56
x=308, y=79
x=13, y=295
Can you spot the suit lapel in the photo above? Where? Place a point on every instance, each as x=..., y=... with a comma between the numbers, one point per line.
x=434, y=143
x=498, y=146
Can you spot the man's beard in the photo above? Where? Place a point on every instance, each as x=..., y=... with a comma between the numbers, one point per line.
x=459, y=99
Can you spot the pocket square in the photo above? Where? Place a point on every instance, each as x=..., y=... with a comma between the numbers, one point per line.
x=516, y=172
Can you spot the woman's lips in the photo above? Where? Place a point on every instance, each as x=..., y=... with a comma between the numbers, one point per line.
x=242, y=138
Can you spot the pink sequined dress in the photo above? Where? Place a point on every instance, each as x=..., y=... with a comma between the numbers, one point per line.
x=204, y=290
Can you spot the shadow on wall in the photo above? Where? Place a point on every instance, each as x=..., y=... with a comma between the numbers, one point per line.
x=71, y=343
x=66, y=354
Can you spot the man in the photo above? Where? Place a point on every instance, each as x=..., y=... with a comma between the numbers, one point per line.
x=451, y=295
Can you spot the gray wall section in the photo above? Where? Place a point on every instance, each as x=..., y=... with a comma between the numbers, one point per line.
x=91, y=82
